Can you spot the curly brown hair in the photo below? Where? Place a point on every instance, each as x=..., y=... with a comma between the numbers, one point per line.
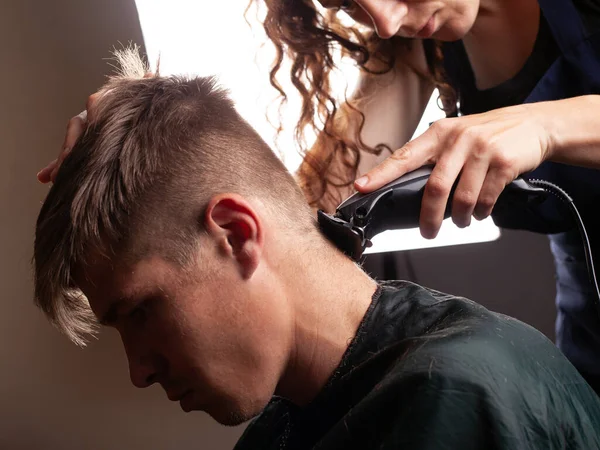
x=309, y=39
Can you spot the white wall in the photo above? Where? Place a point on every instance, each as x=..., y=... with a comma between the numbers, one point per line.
x=56, y=396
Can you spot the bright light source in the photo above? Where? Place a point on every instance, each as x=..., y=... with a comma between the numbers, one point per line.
x=450, y=234
x=208, y=37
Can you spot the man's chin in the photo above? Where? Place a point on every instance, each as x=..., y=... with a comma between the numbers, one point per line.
x=232, y=418
x=231, y=411
x=227, y=418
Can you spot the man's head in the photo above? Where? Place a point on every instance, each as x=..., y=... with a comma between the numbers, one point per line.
x=172, y=221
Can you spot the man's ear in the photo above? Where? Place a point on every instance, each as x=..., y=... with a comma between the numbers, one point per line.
x=234, y=224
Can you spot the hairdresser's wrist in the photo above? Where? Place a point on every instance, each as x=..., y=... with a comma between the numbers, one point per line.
x=572, y=130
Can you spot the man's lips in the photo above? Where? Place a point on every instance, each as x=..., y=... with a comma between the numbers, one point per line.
x=177, y=396
x=187, y=401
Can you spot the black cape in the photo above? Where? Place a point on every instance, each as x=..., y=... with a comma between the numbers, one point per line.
x=428, y=370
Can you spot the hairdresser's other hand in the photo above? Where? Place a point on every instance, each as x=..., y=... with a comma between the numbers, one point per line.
x=487, y=150
x=75, y=128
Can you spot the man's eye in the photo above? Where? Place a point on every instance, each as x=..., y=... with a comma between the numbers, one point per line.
x=138, y=315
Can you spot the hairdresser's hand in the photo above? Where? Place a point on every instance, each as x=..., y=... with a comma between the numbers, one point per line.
x=75, y=128
x=488, y=151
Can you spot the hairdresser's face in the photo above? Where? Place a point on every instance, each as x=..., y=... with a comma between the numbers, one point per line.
x=445, y=20
x=212, y=342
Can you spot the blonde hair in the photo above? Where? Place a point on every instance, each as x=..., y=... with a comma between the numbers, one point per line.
x=154, y=153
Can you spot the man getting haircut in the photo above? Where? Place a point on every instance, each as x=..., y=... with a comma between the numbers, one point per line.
x=174, y=223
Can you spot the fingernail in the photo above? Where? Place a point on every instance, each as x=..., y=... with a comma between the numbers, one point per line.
x=362, y=181
x=428, y=233
x=44, y=171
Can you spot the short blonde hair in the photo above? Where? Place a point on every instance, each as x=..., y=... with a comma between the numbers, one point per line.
x=154, y=153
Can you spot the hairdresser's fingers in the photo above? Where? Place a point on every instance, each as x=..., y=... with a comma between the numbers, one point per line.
x=413, y=155
x=494, y=184
x=467, y=191
x=90, y=106
x=75, y=129
x=43, y=175
x=436, y=193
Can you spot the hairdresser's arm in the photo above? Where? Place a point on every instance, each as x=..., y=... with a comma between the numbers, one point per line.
x=392, y=104
x=489, y=151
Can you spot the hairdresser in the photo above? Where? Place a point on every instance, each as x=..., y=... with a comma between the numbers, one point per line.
x=518, y=81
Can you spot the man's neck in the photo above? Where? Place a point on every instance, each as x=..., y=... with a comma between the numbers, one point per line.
x=330, y=297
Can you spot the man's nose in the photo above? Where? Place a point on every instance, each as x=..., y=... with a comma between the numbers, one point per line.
x=142, y=371
x=143, y=364
x=387, y=15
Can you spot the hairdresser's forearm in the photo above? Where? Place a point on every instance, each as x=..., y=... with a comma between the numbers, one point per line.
x=573, y=127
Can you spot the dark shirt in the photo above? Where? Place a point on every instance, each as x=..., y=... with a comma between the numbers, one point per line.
x=578, y=326
x=515, y=90
x=428, y=370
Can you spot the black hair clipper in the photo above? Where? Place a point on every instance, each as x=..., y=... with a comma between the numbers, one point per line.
x=397, y=205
